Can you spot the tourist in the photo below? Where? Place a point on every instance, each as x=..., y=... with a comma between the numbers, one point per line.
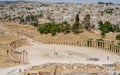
x=8, y=55
x=7, y=52
x=108, y=58
x=19, y=70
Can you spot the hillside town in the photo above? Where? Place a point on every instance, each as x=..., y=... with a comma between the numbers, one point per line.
x=42, y=12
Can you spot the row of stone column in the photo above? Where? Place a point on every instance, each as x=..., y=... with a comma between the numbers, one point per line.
x=22, y=57
x=108, y=46
x=15, y=55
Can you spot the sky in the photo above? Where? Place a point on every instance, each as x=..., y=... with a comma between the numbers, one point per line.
x=79, y=1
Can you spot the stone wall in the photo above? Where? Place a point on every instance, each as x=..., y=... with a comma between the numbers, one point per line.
x=17, y=56
x=66, y=69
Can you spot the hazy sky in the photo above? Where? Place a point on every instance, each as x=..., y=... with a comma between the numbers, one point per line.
x=113, y=1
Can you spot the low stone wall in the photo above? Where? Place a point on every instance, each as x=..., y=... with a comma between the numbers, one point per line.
x=101, y=44
x=66, y=69
x=14, y=55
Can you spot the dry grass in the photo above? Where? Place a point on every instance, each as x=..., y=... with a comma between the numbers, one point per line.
x=32, y=32
x=3, y=58
x=4, y=41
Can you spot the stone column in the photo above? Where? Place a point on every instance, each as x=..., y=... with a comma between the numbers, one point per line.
x=105, y=45
x=23, y=57
x=85, y=43
x=114, y=48
x=26, y=56
x=8, y=54
x=67, y=42
x=49, y=41
x=44, y=41
x=73, y=42
x=77, y=43
x=20, y=57
x=92, y=43
x=96, y=44
x=64, y=42
x=117, y=49
x=17, y=57
x=55, y=41
x=81, y=42
x=111, y=47
x=102, y=43
x=59, y=42
x=108, y=45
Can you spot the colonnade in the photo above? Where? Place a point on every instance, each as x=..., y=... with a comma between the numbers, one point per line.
x=101, y=44
x=17, y=56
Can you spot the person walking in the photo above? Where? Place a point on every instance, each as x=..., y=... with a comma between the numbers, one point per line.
x=8, y=58
x=108, y=58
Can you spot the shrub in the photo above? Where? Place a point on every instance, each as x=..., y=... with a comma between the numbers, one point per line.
x=118, y=37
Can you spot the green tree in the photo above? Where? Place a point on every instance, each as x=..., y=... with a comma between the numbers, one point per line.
x=76, y=27
x=22, y=20
x=48, y=28
x=86, y=22
x=53, y=31
x=118, y=43
x=100, y=23
x=41, y=29
x=65, y=27
x=107, y=27
x=44, y=28
x=77, y=18
x=118, y=37
x=103, y=34
x=27, y=18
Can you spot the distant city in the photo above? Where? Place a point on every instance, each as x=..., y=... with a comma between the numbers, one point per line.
x=58, y=12
x=76, y=1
